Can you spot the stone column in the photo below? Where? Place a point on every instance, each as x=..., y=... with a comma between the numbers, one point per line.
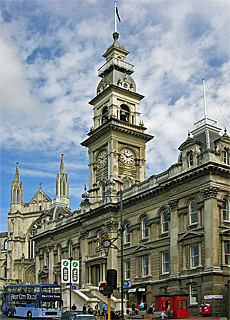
x=211, y=229
x=37, y=266
x=84, y=253
x=174, y=228
x=51, y=264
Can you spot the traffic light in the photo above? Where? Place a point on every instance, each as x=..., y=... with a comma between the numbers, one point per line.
x=112, y=278
x=108, y=291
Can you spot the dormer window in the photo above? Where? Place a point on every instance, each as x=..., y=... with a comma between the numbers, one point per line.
x=190, y=160
x=124, y=113
x=105, y=115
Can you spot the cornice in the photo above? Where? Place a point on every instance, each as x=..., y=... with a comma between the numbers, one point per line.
x=108, y=127
x=119, y=90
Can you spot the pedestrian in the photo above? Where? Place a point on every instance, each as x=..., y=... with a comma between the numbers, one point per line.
x=136, y=307
x=133, y=307
x=163, y=315
x=74, y=307
x=97, y=312
x=84, y=309
x=142, y=305
x=90, y=310
x=104, y=309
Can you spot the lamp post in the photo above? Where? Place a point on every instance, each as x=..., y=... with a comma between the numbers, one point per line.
x=122, y=280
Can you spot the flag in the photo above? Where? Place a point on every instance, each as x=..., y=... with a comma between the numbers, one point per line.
x=118, y=17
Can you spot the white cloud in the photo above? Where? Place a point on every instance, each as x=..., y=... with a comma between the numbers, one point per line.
x=51, y=52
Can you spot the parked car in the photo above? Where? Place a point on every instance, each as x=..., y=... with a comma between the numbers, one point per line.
x=84, y=317
x=70, y=315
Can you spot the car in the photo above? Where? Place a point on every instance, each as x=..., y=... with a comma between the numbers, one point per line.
x=70, y=314
x=84, y=317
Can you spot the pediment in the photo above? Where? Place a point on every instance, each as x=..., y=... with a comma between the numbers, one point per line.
x=141, y=247
x=189, y=234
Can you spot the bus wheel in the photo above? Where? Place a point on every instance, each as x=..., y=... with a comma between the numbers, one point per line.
x=9, y=313
x=29, y=315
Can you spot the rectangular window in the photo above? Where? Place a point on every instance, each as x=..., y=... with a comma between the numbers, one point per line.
x=165, y=262
x=183, y=304
x=127, y=270
x=127, y=234
x=227, y=253
x=145, y=266
x=193, y=294
x=194, y=256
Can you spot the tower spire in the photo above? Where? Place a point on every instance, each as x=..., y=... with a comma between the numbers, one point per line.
x=16, y=188
x=16, y=176
x=62, y=184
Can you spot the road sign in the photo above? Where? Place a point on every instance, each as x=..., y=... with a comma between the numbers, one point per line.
x=74, y=288
x=101, y=287
x=127, y=284
x=65, y=271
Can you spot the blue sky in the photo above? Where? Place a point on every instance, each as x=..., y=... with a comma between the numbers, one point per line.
x=51, y=51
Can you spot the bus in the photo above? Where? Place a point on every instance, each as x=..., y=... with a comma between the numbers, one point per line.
x=32, y=301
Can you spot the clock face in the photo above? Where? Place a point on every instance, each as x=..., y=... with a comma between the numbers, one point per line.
x=102, y=159
x=127, y=157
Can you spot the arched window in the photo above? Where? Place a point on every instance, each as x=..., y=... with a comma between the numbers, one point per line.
x=193, y=212
x=31, y=249
x=225, y=156
x=5, y=269
x=145, y=231
x=190, y=160
x=124, y=113
x=126, y=184
x=5, y=245
x=127, y=234
x=226, y=210
x=105, y=115
x=165, y=221
x=18, y=196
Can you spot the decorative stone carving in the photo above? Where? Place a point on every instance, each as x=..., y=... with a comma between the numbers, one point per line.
x=209, y=192
x=84, y=234
x=112, y=225
x=173, y=204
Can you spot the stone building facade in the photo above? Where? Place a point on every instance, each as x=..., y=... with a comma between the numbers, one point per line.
x=176, y=224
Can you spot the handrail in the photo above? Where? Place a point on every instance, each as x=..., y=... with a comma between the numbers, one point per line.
x=116, y=62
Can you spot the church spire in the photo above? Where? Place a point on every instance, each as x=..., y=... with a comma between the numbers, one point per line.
x=16, y=188
x=62, y=184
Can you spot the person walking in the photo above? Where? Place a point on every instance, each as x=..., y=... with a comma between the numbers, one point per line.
x=84, y=309
x=104, y=309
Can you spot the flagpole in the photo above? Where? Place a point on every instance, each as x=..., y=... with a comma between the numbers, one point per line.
x=115, y=17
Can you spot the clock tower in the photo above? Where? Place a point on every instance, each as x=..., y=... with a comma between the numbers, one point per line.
x=116, y=142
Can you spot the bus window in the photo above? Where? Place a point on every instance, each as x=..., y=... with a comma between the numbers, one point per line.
x=56, y=289
x=36, y=289
x=22, y=289
x=36, y=304
x=23, y=304
x=14, y=289
x=30, y=289
x=46, y=289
